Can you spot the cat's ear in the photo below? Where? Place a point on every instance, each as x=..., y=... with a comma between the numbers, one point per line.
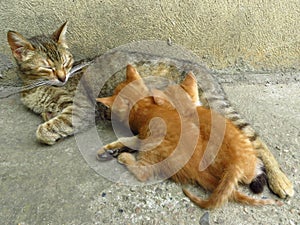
x=131, y=73
x=189, y=84
x=107, y=101
x=160, y=98
x=19, y=45
x=189, y=80
x=139, y=85
x=60, y=35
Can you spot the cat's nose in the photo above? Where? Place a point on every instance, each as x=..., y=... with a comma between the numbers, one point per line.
x=61, y=76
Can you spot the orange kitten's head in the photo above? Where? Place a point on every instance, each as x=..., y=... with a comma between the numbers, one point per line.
x=42, y=57
x=126, y=94
x=183, y=97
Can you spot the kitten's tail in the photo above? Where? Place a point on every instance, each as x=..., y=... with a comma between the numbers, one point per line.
x=245, y=199
x=223, y=191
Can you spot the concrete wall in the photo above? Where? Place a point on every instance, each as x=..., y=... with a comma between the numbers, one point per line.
x=226, y=34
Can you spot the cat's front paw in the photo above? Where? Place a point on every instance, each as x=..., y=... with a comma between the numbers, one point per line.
x=46, y=135
x=126, y=158
x=104, y=154
x=280, y=184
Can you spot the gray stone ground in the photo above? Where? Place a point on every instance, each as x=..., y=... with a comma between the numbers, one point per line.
x=54, y=185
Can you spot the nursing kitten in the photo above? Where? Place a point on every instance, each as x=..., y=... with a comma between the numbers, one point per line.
x=47, y=59
x=236, y=161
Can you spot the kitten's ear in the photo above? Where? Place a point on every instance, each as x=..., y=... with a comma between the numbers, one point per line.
x=189, y=84
x=107, y=101
x=131, y=73
x=159, y=97
x=189, y=80
x=19, y=45
x=138, y=86
x=60, y=35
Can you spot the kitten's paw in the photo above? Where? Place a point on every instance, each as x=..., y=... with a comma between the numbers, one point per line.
x=46, y=135
x=280, y=184
x=104, y=154
x=126, y=158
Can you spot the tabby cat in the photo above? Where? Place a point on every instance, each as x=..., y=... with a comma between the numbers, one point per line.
x=236, y=160
x=46, y=60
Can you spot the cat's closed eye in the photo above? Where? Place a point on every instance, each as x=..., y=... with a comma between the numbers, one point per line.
x=46, y=69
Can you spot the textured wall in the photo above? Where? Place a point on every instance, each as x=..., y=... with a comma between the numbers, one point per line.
x=226, y=34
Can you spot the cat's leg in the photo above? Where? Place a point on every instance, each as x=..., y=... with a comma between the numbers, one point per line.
x=55, y=106
x=56, y=128
x=138, y=168
x=114, y=148
x=278, y=181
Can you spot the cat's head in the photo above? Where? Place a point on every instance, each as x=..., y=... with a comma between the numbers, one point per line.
x=42, y=57
x=126, y=94
x=183, y=97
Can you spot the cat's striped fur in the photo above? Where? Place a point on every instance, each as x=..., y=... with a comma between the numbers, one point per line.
x=47, y=58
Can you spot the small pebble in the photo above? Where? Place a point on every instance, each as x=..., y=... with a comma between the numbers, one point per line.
x=204, y=220
x=103, y=194
x=158, y=190
x=169, y=41
x=292, y=222
x=137, y=210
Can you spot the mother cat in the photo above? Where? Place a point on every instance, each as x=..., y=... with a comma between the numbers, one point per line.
x=47, y=58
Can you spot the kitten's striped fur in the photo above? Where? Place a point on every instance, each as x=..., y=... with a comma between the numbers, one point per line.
x=38, y=56
x=46, y=58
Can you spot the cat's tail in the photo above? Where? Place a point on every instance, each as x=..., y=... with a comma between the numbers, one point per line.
x=222, y=192
x=245, y=199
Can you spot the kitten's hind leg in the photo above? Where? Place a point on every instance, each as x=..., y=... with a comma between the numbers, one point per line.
x=141, y=171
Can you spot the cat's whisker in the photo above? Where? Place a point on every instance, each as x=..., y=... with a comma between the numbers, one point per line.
x=77, y=68
x=24, y=88
x=34, y=85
